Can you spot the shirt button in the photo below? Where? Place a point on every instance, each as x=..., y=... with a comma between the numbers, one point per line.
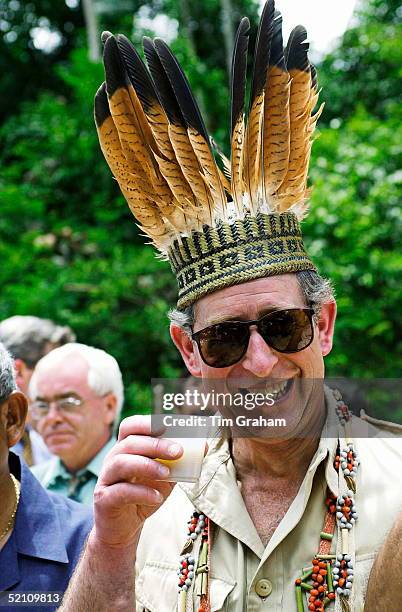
x=263, y=587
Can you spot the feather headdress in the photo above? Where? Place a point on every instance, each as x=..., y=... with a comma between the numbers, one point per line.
x=216, y=227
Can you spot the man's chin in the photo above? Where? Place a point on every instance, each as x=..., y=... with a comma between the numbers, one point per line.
x=61, y=444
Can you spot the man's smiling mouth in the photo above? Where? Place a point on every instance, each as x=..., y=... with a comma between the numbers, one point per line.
x=277, y=390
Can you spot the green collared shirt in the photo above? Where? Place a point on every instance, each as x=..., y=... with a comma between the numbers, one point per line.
x=54, y=476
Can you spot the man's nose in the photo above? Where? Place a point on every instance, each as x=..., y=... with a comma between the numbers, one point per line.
x=54, y=415
x=260, y=359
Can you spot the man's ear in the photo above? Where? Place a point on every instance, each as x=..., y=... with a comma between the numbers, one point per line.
x=188, y=349
x=16, y=412
x=19, y=366
x=326, y=327
x=111, y=408
x=23, y=374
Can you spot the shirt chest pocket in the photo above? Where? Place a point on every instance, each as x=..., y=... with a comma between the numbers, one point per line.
x=156, y=589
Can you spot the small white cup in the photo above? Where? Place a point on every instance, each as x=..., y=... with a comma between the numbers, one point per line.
x=188, y=467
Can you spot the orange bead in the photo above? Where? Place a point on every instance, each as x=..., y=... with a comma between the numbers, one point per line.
x=322, y=564
x=323, y=572
x=341, y=582
x=298, y=581
x=320, y=578
x=331, y=595
x=311, y=607
x=314, y=592
x=321, y=589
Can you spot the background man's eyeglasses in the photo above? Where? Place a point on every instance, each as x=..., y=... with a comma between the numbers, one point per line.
x=287, y=331
x=67, y=405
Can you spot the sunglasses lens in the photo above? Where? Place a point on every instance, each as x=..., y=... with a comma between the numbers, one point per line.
x=287, y=331
x=223, y=344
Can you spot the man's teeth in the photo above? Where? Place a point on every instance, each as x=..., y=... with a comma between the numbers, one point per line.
x=277, y=390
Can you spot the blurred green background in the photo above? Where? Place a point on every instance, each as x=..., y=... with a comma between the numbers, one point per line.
x=69, y=249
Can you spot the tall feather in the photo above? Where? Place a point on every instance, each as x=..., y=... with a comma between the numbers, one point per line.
x=195, y=126
x=253, y=144
x=276, y=140
x=178, y=135
x=303, y=97
x=136, y=137
x=145, y=211
x=238, y=90
x=146, y=92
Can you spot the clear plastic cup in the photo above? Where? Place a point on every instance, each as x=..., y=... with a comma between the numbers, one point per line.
x=188, y=467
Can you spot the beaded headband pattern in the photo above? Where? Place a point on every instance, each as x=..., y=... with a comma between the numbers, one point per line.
x=218, y=227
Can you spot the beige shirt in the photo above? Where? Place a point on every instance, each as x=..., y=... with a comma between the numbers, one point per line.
x=239, y=561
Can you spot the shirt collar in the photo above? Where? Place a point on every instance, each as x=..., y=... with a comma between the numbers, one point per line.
x=58, y=471
x=36, y=518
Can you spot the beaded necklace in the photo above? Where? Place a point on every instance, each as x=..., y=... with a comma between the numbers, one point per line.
x=330, y=576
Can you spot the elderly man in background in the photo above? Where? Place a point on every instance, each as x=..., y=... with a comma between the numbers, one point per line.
x=77, y=395
x=41, y=534
x=28, y=339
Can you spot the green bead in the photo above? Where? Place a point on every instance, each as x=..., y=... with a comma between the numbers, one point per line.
x=306, y=586
x=299, y=599
x=307, y=575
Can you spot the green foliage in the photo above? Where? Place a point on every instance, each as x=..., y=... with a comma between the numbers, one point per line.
x=353, y=232
x=366, y=67
x=77, y=256
x=71, y=251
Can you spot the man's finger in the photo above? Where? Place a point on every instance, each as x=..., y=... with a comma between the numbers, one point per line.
x=131, y=468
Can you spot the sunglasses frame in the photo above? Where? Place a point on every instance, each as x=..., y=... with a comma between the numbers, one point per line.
x=195, y=336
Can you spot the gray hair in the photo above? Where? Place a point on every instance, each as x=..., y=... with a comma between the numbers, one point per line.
x=316, y=290
x=104, y=375
x=7, y=374
x=28, y=338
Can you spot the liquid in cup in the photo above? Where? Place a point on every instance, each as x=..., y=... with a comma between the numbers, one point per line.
x=188, y=467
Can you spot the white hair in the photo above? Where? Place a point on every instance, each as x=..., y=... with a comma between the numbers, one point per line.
x=28, y=338
x=7, y=374
x=104, y=375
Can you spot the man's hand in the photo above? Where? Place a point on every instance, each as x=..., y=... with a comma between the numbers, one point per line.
x=128, y=491
x=129, y=488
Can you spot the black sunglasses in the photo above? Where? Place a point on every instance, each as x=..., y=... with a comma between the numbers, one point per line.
x=287, y=331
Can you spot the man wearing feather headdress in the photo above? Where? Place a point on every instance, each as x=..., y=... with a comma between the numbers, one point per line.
x=251, y=305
